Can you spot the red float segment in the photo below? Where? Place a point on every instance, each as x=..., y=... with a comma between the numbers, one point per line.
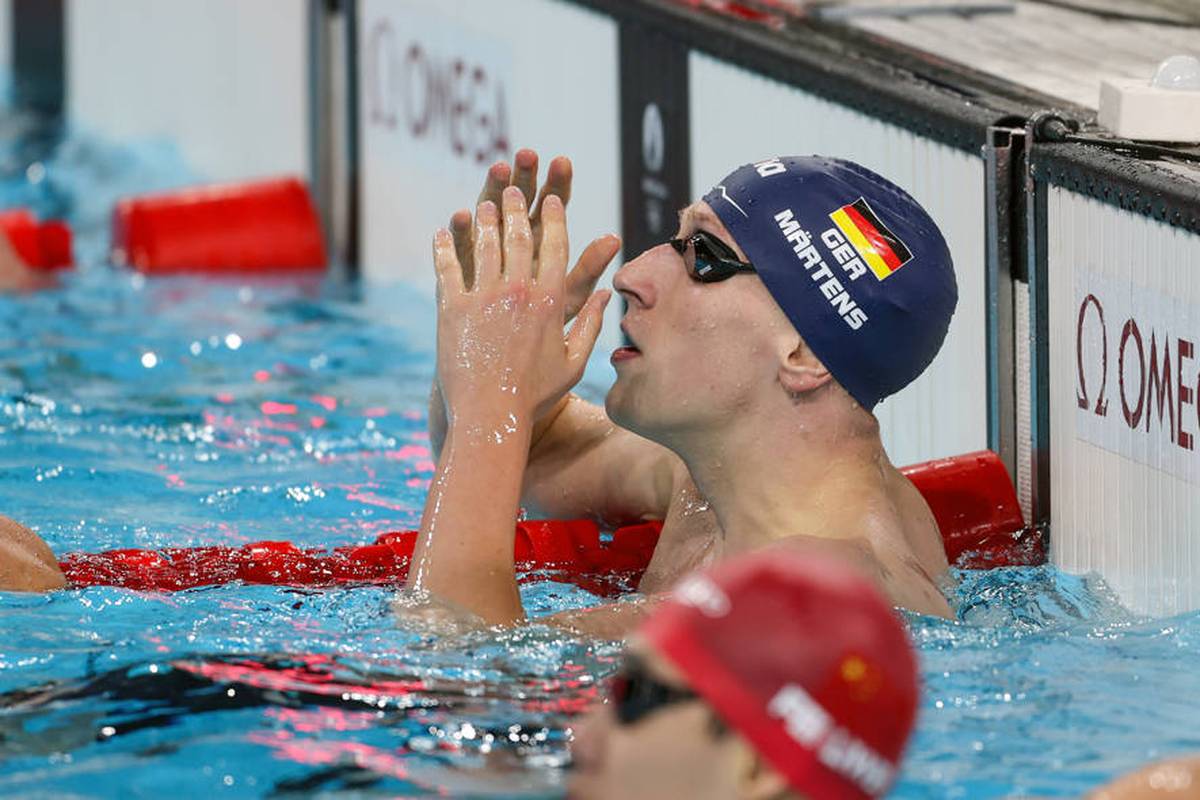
x=971, y=497
x=976, y=508
x=260, y=226
x=572, y=548
x=41, y=246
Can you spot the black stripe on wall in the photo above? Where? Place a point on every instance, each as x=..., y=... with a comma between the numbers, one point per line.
x=655, y=147
x=39, y=50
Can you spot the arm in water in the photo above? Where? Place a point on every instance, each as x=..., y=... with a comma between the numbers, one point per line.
x=26, y=563
x=503, y=362
x=580, y=463
x=15, y=275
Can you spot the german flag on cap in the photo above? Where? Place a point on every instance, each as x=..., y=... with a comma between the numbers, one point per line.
x=879, y=247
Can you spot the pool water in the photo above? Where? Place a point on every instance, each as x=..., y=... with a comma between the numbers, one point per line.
x=169, y=412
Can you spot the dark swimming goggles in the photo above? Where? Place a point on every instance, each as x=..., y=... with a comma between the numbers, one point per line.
x=708, y=259
x=635, y=694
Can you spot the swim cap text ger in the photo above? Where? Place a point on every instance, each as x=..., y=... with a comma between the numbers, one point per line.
x=856, y=264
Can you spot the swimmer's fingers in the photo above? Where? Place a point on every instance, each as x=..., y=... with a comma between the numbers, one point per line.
x=552, y=264
x=525, y=174
x=518, y=239
x=464, y=244
x=581, y=280
x=446, y=265
x=488, y=260
x=581, y=339
x=499, y=175
x=558, y=184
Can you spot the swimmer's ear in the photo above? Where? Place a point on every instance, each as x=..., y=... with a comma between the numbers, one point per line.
x=756, y=779
x=802, y=372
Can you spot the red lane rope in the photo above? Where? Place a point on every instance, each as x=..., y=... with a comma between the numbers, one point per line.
x=971, y=497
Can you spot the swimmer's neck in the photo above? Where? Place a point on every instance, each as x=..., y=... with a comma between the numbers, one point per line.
x=777, y=480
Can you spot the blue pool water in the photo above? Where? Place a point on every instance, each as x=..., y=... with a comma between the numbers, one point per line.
x=183, y=411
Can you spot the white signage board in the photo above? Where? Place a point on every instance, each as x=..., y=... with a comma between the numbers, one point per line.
x=448, y=88
x=1124, y=302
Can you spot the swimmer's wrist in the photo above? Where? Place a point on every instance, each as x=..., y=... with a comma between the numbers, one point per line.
x=493, y=423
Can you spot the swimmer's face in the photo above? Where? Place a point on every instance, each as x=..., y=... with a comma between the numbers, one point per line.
x=704, y=352
x=676, y=750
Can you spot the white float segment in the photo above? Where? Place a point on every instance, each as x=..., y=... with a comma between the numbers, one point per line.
x=421, y=160
x=1125, y=500
x=944, y=412
x=226, y=80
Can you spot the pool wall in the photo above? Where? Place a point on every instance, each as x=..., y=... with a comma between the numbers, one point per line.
x=1118, y=248
x=225, y=81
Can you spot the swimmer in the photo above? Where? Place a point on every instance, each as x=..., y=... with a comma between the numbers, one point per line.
x=1176, y=779
x=26, y=562
x=776, y=675
x=795, y=296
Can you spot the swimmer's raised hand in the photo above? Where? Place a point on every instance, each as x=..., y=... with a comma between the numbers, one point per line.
x=503, y=359
x=595, y=258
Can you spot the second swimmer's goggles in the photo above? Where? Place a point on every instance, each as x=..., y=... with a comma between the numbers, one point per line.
x=708, y=259
x=635, y=693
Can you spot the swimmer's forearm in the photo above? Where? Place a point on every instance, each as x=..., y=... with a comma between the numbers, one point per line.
x=464, y=554
x=26, y=563
x=438, y=422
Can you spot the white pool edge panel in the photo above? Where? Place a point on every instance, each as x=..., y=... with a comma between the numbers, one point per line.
x=944, y=412
x=1125, y=499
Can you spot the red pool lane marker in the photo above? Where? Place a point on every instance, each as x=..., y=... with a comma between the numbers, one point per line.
x=42, y=246
x=971, y=497
x=976, y=508
x=259, y=226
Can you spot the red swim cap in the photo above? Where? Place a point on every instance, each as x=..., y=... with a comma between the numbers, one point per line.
x=805, y=659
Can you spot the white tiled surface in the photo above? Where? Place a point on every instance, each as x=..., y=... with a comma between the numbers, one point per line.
x=227, y=80
x=945, y=411
x=1125, y=499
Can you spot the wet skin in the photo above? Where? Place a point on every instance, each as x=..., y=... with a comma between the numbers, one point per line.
x=1177, y=779
x=780, y=453
x=679, y=750
x=722, y=424
x=26, y=563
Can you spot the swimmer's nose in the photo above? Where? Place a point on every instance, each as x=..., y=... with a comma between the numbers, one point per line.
x=635, y=280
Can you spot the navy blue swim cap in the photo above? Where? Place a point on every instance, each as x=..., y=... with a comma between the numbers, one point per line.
x=857, y=265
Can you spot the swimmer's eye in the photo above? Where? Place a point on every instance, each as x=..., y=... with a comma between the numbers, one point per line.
x=708, y=259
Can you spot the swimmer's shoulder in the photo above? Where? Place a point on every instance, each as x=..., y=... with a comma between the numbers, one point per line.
x=915, y=525
x=899, y=577
x=26, y=563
